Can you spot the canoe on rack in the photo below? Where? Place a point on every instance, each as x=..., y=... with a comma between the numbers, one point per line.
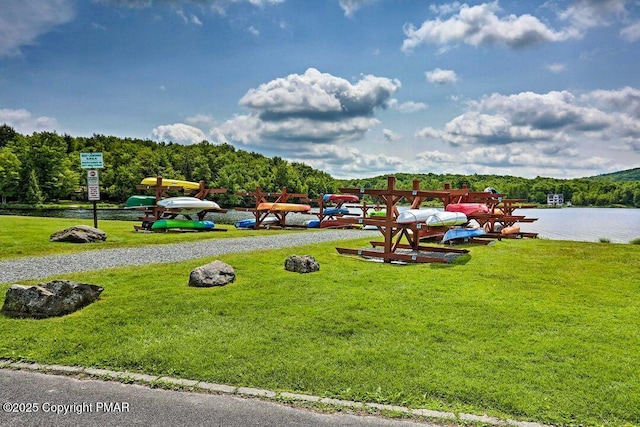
x=165, y=224
x=446, y=219
x=140, y=201
x=411, y=216
x=187, y=204
x=166, y=182
x=462, y=234
x=341, y=198
x=468, y=208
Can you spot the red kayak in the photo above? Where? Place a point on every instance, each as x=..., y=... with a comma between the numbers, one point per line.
x=467, y=208
x=337, y=198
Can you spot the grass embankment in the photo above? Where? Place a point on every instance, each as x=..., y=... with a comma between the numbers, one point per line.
x=529, y=329
x=29, y=236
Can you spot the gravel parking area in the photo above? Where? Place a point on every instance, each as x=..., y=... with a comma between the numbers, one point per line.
x=41, y=267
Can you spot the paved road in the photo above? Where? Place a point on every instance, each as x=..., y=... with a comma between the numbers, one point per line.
x=105, y=404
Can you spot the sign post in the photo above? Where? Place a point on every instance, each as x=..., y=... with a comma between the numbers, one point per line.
x=92, y=161
x=93, y=191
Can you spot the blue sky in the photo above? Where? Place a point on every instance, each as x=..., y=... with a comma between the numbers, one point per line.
x=353, y=87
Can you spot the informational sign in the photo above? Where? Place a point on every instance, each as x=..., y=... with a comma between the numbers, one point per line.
x=94, y=192
x=93, y=184
x=91, y=160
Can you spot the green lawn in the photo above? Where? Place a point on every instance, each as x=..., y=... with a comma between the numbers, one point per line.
x=29, y=236
x=539, y=330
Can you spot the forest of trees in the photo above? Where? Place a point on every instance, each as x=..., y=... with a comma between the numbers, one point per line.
x=45, y=167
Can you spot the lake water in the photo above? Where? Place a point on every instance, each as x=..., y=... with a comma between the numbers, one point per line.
x=584, y=224
x=581, y=224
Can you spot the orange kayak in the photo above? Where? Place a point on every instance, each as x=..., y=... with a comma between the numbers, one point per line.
x=513, y=229
x=289, y=207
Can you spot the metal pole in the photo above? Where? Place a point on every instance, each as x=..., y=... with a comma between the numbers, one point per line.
x=95, y=214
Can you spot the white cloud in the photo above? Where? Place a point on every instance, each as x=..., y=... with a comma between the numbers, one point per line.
x=351, y=6
x=22, y=22
x=347, y=162
x=201, y=120
x=407, y=107
x=558, y=118
x=312, y=107
x=23, y=121
x=441, y=77
x=583, y=15
x=556, y=68
x=253, y=30
x=631, y=33
x=189, y=18
x=625, y=100
x=480, y=26
x=390, y=135
x=179, y=133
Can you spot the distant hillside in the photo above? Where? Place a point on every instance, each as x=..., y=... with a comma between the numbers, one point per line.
x=604, y=190
x=626, y=175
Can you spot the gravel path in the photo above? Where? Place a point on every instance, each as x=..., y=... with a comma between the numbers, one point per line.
x=41, y=267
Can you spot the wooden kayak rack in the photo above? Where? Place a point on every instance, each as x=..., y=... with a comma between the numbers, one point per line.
x=260, y=196
x=154, y=213
x=392, y=249
x=501, y=215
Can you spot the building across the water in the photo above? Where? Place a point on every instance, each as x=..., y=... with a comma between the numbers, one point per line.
x=555, y=199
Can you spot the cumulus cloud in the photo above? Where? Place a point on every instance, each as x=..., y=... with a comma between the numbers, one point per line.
x=441, y=77
x=583, y=15
x=631, y=33
x=21, y=23
x=390, y=135
x=480, y=26
x=313, y=107
x=24, y=122
x=351, y=6
x=347, y=162
x=179, y=133
x=557, y=117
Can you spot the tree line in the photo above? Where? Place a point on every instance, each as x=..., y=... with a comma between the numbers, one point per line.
x=597, y=191
x=45, y=167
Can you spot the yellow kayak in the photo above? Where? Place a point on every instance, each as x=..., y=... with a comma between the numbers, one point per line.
x=152, y=181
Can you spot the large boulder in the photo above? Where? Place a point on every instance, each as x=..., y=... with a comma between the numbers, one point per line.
x=216, y=273
x=301, y=264
x=55, y=298
x=79, y=234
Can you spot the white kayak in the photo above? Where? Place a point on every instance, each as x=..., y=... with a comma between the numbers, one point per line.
x=415, y=215
x=446, y=219
x=187, y=205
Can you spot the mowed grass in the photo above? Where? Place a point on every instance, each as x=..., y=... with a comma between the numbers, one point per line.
x=29, y=236
x=546, y=331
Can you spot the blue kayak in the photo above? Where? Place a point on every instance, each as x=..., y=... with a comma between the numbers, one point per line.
x=462, y=233
x=335, y=211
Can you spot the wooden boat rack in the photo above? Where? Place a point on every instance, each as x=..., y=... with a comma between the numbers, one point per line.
x=392, y=249
x=260, y=196
x=155, y=212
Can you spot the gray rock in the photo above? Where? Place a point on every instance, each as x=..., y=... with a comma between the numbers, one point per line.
x=216, y=273
x=55, y=298
x=301, y=264
x=79, y=234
